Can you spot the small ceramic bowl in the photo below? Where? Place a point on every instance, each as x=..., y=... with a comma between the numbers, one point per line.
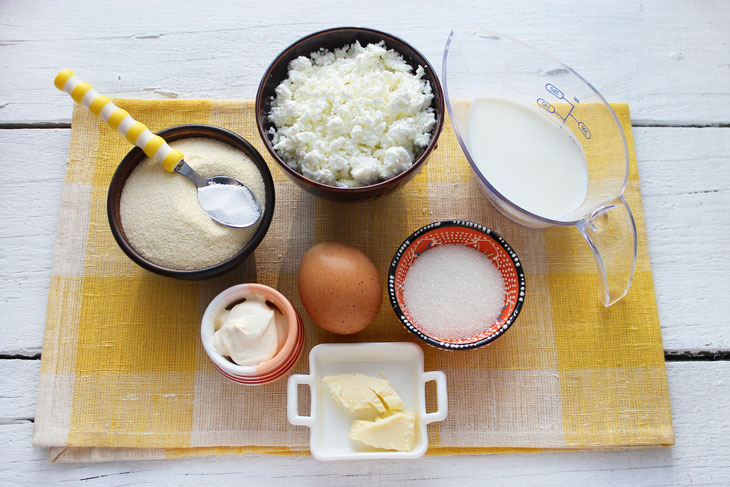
x=333, y=39
x=290, y=346
x=468, y=234
x=329, y=422
x=135, y=156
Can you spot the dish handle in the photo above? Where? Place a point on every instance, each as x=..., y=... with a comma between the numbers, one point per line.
x=442, y=404
x=292, y=399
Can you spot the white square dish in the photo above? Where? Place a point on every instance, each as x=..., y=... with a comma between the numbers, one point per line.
x=400, y=363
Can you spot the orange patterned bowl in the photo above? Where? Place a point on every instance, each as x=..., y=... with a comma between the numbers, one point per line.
x=468, y=234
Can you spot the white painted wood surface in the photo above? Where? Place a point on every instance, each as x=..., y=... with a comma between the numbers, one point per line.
x=669, y=59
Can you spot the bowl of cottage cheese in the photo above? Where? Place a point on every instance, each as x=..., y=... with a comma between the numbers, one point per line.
x=350, y=114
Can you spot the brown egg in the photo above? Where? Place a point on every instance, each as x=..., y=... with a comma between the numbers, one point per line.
x=340, y=287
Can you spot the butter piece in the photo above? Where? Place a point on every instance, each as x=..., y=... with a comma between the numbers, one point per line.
x=363, y=396
x=396, y=431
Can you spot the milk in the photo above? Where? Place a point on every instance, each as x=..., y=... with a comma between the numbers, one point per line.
x=529, y=159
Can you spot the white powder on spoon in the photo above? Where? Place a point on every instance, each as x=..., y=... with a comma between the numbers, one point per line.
x=228, y=203
x=161, y=215
x=452, y=291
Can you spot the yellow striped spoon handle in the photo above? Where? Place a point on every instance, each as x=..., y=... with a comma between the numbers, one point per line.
x=136, y=132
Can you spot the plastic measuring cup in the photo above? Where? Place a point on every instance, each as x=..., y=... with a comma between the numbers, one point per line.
x=479, y=64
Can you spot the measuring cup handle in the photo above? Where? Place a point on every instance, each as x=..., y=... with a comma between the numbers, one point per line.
x=611, y=234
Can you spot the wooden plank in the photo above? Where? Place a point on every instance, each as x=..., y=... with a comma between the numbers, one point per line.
x=18, y=390
x=668, y=58
x=685, y=186
x=30, y=202
x=699, y=457
x=681, y=190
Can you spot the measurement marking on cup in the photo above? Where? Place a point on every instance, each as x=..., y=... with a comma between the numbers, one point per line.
x=557, y=93
x=584, y=130
x=552, y=89
x=547, y=106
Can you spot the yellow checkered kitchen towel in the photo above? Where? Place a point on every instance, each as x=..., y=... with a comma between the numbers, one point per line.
x=124, y=376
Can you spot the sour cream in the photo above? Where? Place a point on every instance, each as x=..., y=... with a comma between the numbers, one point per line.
x=247, y=334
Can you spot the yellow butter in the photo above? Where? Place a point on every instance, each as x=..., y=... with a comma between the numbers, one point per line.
x=396, y=431
x=363, y=396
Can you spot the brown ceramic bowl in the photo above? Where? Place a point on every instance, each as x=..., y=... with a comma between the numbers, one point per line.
x=332, y=39
x=135, y=156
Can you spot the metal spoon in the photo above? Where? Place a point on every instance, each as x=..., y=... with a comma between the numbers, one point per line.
x=244, y=217
x=238, y=208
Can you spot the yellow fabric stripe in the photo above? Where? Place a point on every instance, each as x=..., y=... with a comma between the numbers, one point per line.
x=151, y=147
x=116, y=118
x=78, y=93
x=157, y=383
x=134, y=131
x=98, y=104
x=62, y=77
x=171, y=160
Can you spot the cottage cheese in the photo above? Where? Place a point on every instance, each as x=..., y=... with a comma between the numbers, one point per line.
x=352, y=117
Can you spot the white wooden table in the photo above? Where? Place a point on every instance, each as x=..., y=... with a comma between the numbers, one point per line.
x=669, y=59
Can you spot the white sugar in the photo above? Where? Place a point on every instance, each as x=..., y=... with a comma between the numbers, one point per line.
x=228, y=203
x=452, y=291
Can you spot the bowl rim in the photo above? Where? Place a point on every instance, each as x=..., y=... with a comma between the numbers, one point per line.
x=487, y=232
x=170, y=134
x=274, y=368
x=440, y=112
